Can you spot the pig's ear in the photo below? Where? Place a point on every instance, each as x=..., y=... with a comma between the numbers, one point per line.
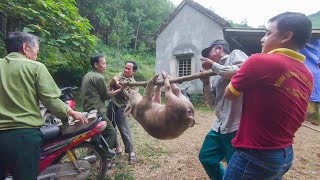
x=127, y=110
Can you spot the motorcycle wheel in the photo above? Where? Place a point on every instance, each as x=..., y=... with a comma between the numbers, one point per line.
x=94, y=155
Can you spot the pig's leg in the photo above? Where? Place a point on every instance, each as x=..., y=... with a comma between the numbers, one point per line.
x=167, y=86
x=157, y=94
x=148, y=91
x=175, y=89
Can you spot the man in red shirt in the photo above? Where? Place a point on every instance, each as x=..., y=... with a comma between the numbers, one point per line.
x=276, y=88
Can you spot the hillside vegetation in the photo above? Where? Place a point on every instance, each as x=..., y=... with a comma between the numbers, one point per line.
x=72, y=31
x=315, y=19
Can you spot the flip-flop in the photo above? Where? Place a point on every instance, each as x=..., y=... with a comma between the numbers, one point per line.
x=132, y=158
x=118, y=151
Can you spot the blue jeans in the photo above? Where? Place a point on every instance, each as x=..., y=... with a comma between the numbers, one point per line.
x=216, y=146
x=259, y=164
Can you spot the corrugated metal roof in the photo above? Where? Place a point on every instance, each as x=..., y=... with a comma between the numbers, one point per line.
x=249, y=40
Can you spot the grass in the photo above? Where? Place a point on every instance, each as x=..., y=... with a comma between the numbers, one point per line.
x=202, y=107
x=148, y=149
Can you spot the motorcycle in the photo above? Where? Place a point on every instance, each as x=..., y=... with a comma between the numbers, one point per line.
x=66, y=97
x=75, y=152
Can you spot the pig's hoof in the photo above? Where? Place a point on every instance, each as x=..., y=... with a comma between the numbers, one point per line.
x=155, y=78
x=164, y=74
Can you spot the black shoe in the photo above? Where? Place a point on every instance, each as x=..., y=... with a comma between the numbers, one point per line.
x=132, y=158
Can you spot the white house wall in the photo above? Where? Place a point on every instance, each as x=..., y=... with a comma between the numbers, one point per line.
x=190, y=30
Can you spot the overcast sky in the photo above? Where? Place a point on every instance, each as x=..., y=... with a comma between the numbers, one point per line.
x=256, y=12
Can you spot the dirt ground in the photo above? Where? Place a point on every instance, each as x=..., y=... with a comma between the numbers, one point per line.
x=178, y=158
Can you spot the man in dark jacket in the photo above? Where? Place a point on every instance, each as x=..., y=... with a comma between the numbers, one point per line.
x=94, y=94
x=118, y=103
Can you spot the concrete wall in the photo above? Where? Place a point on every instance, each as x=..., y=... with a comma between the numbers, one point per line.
x=190, y=31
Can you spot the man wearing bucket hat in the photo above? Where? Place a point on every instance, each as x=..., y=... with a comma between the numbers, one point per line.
x=217, y=143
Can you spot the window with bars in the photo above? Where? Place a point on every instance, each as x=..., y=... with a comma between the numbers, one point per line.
x=184, y=67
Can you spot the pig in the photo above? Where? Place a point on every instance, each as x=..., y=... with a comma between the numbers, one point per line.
x=161, y=121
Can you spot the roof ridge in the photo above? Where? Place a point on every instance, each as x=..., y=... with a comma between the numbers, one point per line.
x=198, y=7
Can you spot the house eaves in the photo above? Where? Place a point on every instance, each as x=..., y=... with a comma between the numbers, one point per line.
x=221, y=21
x=249, y=40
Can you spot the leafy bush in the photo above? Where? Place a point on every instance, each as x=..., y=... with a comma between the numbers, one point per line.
x=198, y=100
x=116, y=60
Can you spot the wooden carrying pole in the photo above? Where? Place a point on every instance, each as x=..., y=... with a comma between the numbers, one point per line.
x=178, y=80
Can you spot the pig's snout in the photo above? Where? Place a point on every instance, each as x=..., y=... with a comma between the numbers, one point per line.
x=190, y=112
x=192, y=122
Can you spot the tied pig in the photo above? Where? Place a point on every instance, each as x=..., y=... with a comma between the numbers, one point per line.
x=162, y=121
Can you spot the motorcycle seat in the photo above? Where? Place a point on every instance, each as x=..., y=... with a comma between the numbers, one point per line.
x=78, y=128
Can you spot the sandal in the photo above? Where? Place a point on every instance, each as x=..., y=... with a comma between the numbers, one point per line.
x=118, y=150
x=110, y=164
x=132, y=158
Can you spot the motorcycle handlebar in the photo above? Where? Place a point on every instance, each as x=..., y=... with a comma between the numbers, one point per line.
x=91, y=116
x=68, y=88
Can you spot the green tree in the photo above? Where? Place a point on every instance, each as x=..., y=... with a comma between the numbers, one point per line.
x=58, y=23
x=315, y=19
x=146, y=16
x=125, y=23
x=243, y=24
x=64, y=35
x=122, y=33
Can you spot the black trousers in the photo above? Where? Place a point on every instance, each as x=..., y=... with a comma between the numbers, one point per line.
x=20, y=153
x=118, y=119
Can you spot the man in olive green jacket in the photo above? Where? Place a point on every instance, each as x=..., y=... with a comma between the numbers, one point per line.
x=23, y=82
x=94, y=94
x=118, y=103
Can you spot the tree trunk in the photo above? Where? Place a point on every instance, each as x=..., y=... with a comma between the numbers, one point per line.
x=198, y=75
x=136, y=40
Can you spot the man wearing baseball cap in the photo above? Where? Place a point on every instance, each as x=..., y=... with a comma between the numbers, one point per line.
x=217, y=143
x=221, y=42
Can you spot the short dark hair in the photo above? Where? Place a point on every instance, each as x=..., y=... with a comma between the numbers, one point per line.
x=297, y=23
x=15, y=40
x=135, y=66
x=95, y=59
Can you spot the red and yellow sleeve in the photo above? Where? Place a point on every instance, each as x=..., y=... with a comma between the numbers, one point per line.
x=233, y=90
